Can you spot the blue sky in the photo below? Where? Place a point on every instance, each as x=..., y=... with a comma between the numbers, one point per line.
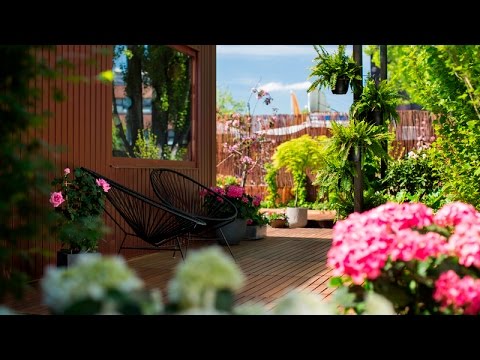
x=280, y=69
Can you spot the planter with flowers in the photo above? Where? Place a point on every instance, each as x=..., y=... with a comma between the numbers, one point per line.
x=277, y=220
x=79, y=203
x=246, y=205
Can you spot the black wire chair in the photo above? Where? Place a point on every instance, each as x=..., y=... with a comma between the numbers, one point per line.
x=159, y=225
x=182, y=192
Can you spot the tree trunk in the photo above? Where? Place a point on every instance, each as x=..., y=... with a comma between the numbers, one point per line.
x=118, y=124
x=134, y=90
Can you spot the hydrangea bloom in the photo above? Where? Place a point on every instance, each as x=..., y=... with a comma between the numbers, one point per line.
x=196, y=281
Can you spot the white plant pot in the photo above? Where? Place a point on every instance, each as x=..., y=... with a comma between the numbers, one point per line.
x=297, y=217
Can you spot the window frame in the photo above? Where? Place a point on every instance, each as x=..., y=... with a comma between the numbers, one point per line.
x=125, y=162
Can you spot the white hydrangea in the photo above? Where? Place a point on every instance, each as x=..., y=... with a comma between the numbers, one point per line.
x=90, y=277
x=250, y=308
x=198, y=278
x=302, y=303
x=6, y=311
x=376, y=304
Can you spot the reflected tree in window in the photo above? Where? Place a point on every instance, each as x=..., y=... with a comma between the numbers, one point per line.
x=152, y=107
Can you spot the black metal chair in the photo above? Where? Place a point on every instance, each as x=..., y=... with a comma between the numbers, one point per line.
x=159, y=225
x=182, y=192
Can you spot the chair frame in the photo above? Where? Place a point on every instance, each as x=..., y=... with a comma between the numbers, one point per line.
x=188, y=221
x=213, y=223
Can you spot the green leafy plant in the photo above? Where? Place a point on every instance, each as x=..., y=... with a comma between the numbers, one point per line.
x=23, y=165
x=225, y=180
x=415, y=174
x=146, y=145
x=335, y=178
x=383, y=98
x=276, y=216
x=330, y=67
x=80, y=203
x=272, y=187
x=297, y=156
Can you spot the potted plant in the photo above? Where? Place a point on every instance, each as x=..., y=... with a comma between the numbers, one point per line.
x=235, y=231
x=297, y=156
x=277, y=219
x=336, y=70
x=376, y=103
x=79, y=205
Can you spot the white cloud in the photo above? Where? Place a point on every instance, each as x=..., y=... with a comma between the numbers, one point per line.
x=272, y=50
x=278, y=86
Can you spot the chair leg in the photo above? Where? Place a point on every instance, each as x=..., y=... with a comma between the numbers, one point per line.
x=228, y=245
x=179, y=248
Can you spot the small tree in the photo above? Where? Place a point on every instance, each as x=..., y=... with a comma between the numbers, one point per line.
x=297, y=156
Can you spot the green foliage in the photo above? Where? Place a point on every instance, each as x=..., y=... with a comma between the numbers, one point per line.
x=446, y=81
x=80, y=225
x=335, y=178
x=146, y=145
x=329, y=67
x=383, y=98
x=227, y=105
x=413, y=178
x=298, y=155
x=225, y=180
x=23, y=168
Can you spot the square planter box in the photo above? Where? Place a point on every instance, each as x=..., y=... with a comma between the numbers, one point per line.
x=255, y=232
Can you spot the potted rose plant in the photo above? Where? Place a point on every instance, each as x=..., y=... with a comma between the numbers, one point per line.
x=79, y=204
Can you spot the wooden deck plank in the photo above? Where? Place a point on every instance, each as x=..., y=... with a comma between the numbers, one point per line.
x=286, y=259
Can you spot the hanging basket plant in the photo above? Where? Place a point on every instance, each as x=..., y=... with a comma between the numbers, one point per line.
x=336, y=71
x=377, y=103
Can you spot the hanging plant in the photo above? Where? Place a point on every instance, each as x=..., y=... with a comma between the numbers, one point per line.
x=335, y=70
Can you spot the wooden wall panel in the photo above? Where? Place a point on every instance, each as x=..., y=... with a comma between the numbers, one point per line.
x=81, y=125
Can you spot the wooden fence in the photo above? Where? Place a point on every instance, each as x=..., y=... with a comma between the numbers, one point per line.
x=414, y=130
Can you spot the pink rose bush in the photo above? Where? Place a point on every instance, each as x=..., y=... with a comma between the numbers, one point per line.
x=424, y=263
x=79, y=202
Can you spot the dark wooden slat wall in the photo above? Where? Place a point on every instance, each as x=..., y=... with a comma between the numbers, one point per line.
x=81, y=123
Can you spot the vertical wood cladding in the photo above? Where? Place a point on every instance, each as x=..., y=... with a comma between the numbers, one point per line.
x=81, y=126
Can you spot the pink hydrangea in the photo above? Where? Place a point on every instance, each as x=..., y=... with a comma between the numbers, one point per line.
x=256, y=200
x=66, y=171
x=103, y=184
x=410, y=244
x=454, y=213
x=56, y=199
x=462, y=294
x=362, y=243
x=465, y=242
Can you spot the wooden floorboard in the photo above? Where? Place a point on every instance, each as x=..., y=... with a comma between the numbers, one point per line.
x=286, y=259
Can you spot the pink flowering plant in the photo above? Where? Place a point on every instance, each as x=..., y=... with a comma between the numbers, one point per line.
x=248, y=206
x=424, y=263
x=250, y=146
x=79, y=201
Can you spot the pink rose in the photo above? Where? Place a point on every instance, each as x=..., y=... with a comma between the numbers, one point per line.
x=56, y=198
x=66, y=171
x=105, y=185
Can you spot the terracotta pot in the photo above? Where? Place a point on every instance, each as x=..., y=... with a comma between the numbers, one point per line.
x=278, y=223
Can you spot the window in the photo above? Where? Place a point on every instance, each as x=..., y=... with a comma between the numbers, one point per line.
x=153, y=108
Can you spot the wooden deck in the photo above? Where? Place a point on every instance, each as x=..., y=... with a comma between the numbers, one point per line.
x=284, y=260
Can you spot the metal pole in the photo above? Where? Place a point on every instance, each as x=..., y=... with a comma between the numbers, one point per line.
x=383, y=76
x=358, y=177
